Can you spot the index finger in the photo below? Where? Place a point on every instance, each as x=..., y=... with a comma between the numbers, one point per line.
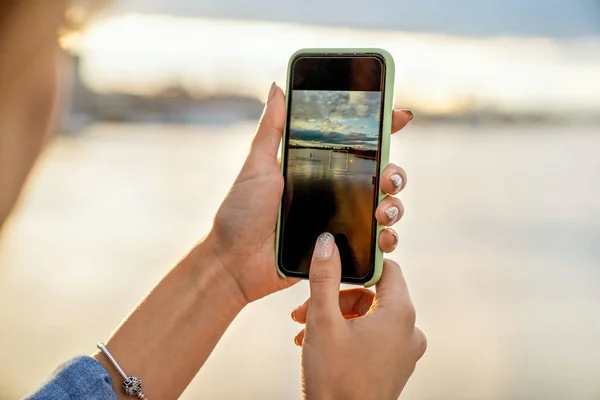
x=391, y=288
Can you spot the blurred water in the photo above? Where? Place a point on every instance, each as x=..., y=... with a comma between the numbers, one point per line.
x=500, y=245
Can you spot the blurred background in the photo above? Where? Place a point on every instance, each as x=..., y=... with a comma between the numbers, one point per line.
x=500, y=243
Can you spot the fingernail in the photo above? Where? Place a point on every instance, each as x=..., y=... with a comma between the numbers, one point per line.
x=271, y=92
x=324, y=247
x=396, y=238
x=392, y=213
x=296, y=341
x=409, y=113
x=294, y=316
x=397, y=181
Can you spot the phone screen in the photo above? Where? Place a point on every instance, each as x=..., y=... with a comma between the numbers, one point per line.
x=332, y=160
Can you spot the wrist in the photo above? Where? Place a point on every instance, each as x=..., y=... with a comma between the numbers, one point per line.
x=171, y=333
x=215, y=278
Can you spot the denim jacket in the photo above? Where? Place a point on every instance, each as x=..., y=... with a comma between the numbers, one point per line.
x=80, y=378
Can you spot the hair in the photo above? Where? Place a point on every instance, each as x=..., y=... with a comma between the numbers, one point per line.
x=6, y=10
x=29, y=32
x=77, y=12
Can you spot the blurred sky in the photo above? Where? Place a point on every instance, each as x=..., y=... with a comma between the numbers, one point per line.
x=556, y=18
x=512, y=56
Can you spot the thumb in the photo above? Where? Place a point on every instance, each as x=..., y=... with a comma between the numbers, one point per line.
x=325, y=275
x=270, y=128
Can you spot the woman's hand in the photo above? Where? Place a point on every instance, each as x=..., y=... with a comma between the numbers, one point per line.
x=357, y=344
x=166, y=339
x=243, y=234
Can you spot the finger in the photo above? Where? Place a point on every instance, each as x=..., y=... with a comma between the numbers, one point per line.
x=389, y=211
x=391, y=290
x=393, y=179
x=353, y=303
x=270, y=128
x=420, y=343
x=388, y=240
x=299, y=339
x=325, y=274
x=299, y=313
x=400, y=118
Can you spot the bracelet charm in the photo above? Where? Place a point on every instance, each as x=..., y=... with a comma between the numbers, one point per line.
x=132, y=385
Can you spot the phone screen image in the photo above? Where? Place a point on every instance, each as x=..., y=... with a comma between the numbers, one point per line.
x=332, y=162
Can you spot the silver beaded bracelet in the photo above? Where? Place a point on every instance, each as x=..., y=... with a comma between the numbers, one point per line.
x=132, y=385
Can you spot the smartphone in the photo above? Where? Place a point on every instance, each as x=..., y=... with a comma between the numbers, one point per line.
x=334, y=149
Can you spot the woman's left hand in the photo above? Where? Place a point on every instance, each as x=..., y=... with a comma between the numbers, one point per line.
x=244, y=229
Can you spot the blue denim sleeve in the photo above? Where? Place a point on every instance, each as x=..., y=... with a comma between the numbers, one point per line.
x=80, y=378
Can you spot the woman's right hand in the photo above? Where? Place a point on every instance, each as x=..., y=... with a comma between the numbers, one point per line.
x=356, y=344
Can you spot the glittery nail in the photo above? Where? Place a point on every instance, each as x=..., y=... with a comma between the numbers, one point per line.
x=392, y=213
x=395, y=235
x=396, y=180
x=324, y=246
x=409, y=114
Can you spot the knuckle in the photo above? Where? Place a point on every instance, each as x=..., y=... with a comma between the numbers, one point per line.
x=409, y=315
x=324, y=322
x=421, y=343
x=277, y=182
x=322, y=274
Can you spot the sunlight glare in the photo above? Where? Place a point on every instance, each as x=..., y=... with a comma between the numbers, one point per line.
x=143, y=54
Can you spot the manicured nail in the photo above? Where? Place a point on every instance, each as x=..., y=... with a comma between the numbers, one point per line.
x=324, y=246
x=392, y=213
x=297, y=341
x=294, y=316
x=397, y=181
x=271, y=92
x=395, y=235
x=409, y=113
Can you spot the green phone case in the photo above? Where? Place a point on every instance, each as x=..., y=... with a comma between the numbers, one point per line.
x=388, y=107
